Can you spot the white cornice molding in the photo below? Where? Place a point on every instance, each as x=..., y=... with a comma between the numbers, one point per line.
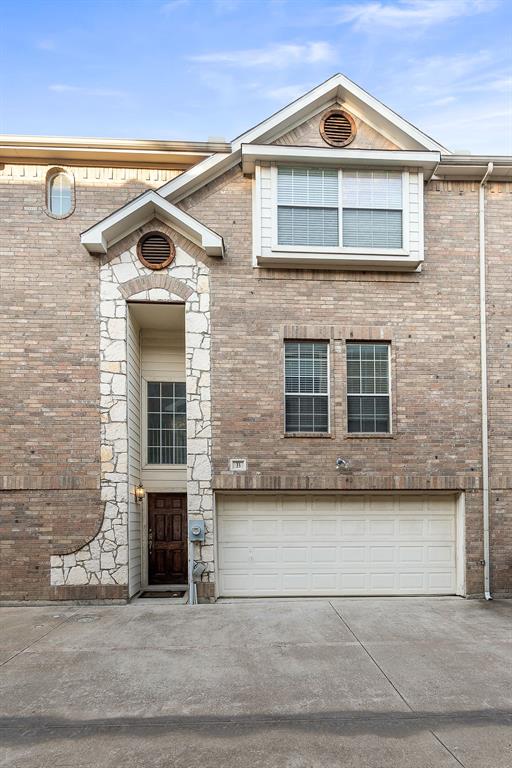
x=102, y=236
x=142, y=153
x=252, y=153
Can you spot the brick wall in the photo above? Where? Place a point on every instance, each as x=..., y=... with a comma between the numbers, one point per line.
x=431, y=319
x=49, y=455
x=49, y=378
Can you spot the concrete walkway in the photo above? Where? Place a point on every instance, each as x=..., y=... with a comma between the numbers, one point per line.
x=372, y=683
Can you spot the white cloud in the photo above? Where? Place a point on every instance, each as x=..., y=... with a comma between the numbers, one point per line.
x=46, y=45
x=443, y=101
x=287, y=93
x=451, y=97
x=278, y=55
x=173, y=5
x=226, y=6
x=408, y=13
x=78, y=89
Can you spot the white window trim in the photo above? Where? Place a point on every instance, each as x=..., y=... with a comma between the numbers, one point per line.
x=340, y=249
x=144, y=437
x=390, y=391
x=322, y=394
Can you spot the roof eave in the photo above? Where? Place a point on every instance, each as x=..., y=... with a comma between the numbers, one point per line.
x=102, y=236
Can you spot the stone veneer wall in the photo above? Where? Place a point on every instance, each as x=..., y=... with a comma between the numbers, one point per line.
x=105, y=559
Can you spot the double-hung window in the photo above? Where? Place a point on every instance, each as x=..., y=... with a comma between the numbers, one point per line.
x=166, y=423
x=306, y=386
x=307, y=206
x=372, y=209
x=368, y=390
x=339, y=209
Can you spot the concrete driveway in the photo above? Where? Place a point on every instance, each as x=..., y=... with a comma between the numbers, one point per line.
x=377, y=683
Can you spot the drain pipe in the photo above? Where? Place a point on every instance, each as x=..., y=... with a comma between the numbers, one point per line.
x=483, y=368
x=192, y=598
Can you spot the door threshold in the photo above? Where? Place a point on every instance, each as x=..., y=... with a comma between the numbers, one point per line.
x=164, y=587
x=160, y=597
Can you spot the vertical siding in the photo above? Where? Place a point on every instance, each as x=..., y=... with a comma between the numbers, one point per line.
x=134, y=456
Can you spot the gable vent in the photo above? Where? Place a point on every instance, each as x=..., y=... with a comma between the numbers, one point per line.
x=337, y=128
x=155, y=250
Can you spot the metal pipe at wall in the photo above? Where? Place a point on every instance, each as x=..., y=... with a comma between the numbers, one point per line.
x=192, y=595
x=483, y=369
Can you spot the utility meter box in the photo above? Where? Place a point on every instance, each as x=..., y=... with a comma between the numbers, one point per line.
x=196, y=530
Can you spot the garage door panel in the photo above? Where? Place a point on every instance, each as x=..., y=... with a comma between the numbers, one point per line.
x=381, y=527
x=339, y=546
x=353, y=528
x=410, y=528
x=320, y=555
x=440, y=528
x=353, y=555
x=411, y=554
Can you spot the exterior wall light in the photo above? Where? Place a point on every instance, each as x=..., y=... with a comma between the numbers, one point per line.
x=139, y=492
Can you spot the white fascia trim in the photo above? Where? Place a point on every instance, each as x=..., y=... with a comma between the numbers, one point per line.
x=197, y=176
x=102, y=236
x=252, y=153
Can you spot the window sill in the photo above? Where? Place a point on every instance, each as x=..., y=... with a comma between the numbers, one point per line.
x=149, y=467
x=369, y=436
x=314, y=435
x=368, y=260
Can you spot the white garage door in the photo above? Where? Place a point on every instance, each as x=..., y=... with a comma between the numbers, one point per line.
x=336, y=545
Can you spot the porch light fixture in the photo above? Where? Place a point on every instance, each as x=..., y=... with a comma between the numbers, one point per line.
x=139, y=492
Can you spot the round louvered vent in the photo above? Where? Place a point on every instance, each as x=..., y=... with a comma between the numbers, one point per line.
x=337, y=128
x=155, y=250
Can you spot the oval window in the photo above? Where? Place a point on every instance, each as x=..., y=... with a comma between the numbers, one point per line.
x=59, y=194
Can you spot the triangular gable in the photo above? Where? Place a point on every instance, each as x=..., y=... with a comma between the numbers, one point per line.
x=336, y=90
x=104, y=234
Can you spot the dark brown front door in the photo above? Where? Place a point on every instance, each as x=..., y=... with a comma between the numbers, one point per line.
x=167, y=538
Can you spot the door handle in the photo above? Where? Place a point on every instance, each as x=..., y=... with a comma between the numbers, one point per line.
x=150, y=540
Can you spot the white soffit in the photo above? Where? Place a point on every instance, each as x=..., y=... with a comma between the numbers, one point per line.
x=102, y=236
x=251, y=153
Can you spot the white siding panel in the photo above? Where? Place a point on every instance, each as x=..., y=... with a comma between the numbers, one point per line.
x=134, y=449
x=162, y=359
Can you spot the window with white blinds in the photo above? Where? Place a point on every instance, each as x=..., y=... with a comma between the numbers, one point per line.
x=372, y=209
x=308, y=208
x=306, y=386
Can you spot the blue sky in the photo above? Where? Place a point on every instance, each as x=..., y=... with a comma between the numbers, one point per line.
x=190, y=69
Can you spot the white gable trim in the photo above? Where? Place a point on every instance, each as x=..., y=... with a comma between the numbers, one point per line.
x=102, y=236
x=341, y=89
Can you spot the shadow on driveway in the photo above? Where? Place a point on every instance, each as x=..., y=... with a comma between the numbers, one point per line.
x=35, y=730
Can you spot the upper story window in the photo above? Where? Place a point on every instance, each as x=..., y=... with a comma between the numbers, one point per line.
x=166, y=423
x=368, y=387
x=59, y=193
x=372, y=209
x=311, y=203
x=306, y=386
x=307, y=212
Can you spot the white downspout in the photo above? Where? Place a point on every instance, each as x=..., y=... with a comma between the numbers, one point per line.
x=483, y=368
